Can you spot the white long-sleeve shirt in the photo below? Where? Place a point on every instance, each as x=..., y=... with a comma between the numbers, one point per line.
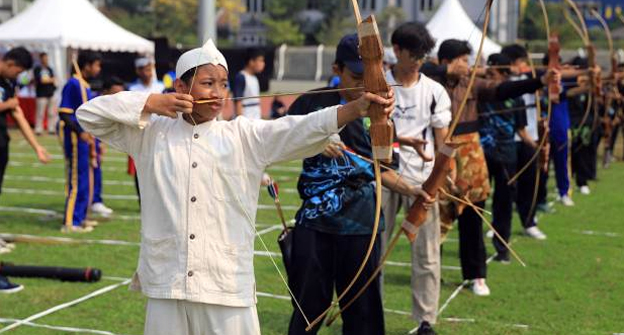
x=199, y=191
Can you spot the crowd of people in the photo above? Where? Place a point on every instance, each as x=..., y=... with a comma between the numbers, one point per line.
x=198, y=213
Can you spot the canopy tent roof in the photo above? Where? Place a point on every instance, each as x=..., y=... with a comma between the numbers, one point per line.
x=70, y=23
x=451, y=21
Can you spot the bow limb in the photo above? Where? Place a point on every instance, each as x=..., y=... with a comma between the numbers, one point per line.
x=611, y=77
x=371, y=51
x=553, y=95
x=592, y=100
x=473, y=75
x=538, y=108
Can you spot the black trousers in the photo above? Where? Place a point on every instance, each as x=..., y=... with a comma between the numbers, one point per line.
x=471, y=246
x=502, y=200
x=325, y=263
x=582, y=162
x=525, y=186
x=4, y=160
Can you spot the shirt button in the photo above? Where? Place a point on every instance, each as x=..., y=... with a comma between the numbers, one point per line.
x=196, y=136
x=194, y=165
x=190, y=273
x=192, y=237
x=193, y=199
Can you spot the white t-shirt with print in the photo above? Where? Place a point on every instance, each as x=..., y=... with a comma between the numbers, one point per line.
x=418, y=109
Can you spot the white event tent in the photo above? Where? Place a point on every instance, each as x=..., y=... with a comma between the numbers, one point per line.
x=451, y=21
x=59, y=26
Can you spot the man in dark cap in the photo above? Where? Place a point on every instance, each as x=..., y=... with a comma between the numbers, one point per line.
x=335, y=222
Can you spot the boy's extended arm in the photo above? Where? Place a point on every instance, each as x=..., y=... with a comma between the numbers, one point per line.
x=22, y=123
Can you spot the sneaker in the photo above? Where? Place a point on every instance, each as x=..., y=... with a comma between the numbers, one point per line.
x=6, y=287
x=489, y=234
x=535, y=233
x=100, y=208
x=266, y=180
x=545, y=208
x=76, y=229
x=6, y=247
x=502, y=258
x=425, y=329
x=480, y=288
x=607, y=159
x=90, y=223
x=566, y=201
x=585, y=190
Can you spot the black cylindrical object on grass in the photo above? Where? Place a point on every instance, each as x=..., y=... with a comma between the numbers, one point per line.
x=51, y=272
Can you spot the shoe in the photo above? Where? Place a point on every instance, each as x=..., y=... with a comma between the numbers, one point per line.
x=76, y=229
x=5, y=244
x=585, y=190
x=566, y=201
x=266, y=180
x=6, y=287
x=480, y=288
x=545, y=208
x=502, y=258
x=90, y=223
x=535, y=233
x=100, y=208
x=489, y=234
x=425, y=329
x=6, y=247
x=607, y=159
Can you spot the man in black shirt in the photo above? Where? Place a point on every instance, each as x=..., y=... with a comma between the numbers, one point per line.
x=45, y=85
x=13, y=63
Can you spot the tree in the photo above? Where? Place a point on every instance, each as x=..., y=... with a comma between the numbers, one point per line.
x=281, y=27
x=174, y=19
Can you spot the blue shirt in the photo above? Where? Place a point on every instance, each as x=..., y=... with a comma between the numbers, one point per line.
x=498, y=127
x=74, y=94
x=338, y=193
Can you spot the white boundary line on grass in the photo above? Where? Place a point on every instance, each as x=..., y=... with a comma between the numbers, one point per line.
x=113, y=197
x=64, y=305
x=41, y=179
x=6, y=236
x=598, y=233
x=61, y=328
x=106, y=182
x=60, y=156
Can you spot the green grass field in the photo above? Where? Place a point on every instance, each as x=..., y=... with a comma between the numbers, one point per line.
x=572, y=283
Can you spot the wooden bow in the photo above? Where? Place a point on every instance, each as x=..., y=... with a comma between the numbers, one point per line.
x=595, y=83
x=611, y=84
x=381, y=130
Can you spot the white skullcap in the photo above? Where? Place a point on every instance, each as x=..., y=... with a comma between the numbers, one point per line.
x=142, y=61
x=207, y=54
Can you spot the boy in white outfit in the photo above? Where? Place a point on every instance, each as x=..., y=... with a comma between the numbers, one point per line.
x=197, y=211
